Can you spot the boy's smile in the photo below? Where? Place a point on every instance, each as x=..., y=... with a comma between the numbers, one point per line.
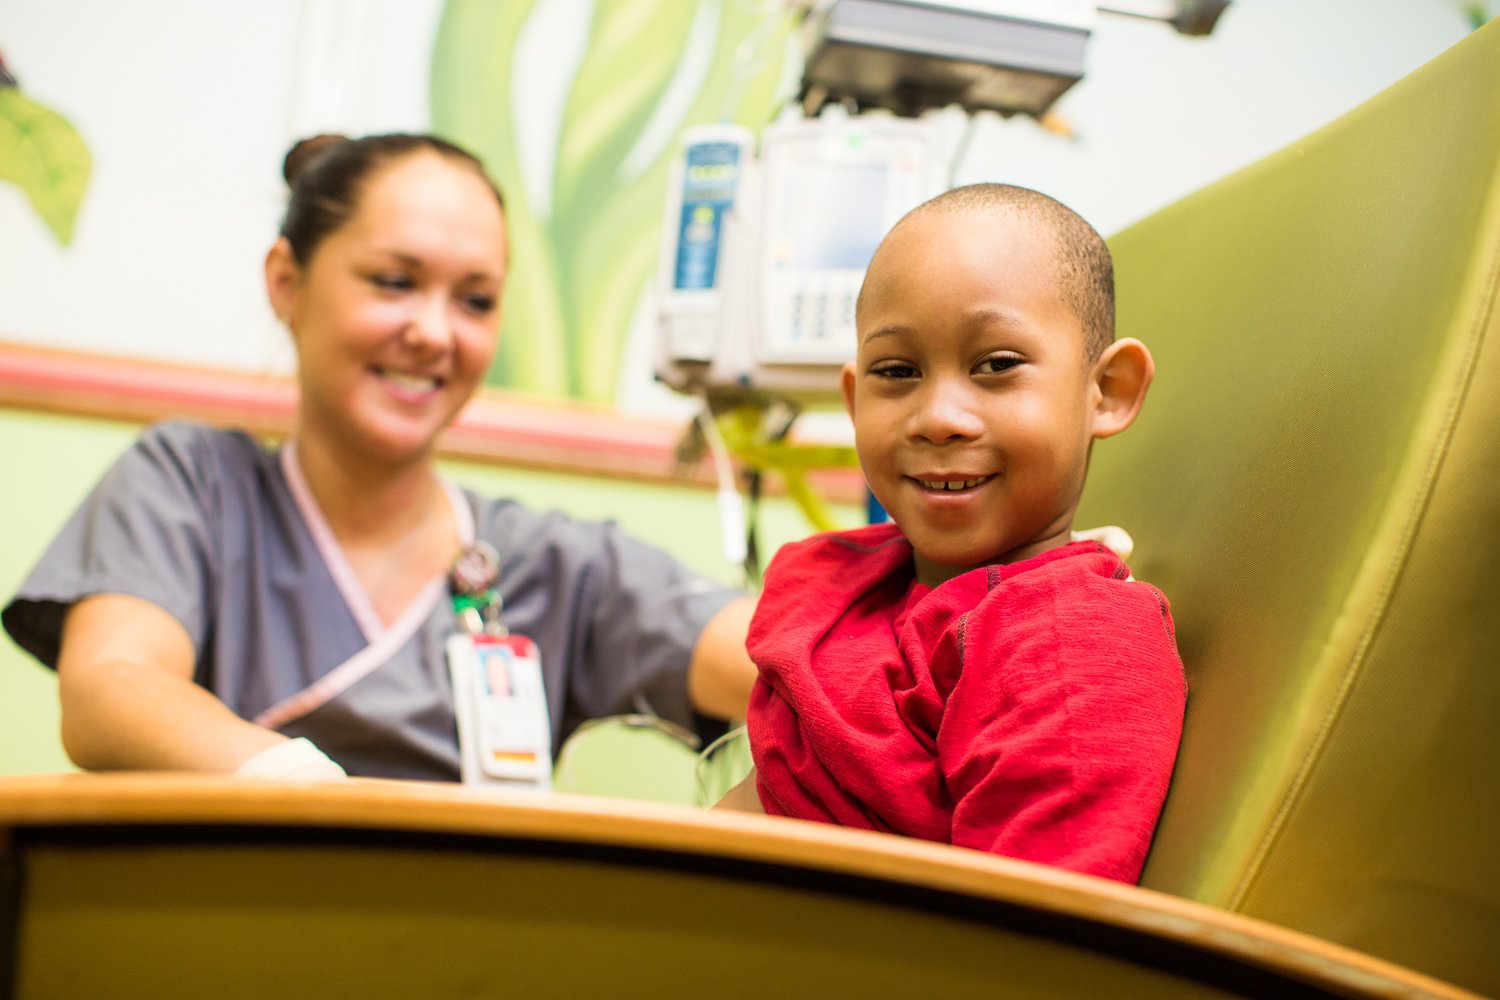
x=953, y=485
x=972, y=397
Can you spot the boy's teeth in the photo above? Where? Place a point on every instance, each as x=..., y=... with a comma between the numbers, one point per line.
x=956, y=484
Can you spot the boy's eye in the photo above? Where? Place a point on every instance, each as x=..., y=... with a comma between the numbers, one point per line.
x=893, y=370
x=997, y=364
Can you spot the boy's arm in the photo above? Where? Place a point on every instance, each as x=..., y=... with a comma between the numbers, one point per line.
x=742, y=797
x=1058, y=740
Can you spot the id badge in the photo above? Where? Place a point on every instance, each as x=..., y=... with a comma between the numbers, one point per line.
x=504, y=732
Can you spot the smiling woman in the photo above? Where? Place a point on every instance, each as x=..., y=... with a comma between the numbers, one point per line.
x=394, y=310
x=214, y=605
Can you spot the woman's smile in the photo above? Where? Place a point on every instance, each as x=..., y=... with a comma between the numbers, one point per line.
x=408, y=387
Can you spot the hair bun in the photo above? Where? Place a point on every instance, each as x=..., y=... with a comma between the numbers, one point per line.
x=305, y=152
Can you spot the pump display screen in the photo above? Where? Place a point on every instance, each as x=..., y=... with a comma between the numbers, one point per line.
x=708, y=189
x=832, y=216
x=833, y=192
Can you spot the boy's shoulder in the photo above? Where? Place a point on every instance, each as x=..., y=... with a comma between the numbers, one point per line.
x=816, y=580
x=832, y=549
x=1080, y=575
x=1083, y=580
x=862, y=540
x=1079, y=594
x=1072, y=615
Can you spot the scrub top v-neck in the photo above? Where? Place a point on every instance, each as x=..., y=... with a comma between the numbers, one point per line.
x=222, y=534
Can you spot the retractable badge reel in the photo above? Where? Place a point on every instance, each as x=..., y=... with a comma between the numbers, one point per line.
x=504, y=731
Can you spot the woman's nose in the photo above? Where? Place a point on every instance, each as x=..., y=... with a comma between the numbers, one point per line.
x=429, y=327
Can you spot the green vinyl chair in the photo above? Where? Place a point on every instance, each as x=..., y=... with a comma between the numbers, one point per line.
x=649, y=759
x=1315, y=484
x=640, y=757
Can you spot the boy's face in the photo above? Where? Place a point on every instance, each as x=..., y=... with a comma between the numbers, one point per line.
x=971, y=396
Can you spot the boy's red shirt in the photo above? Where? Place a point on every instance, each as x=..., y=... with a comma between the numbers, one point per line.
x=1031, y=710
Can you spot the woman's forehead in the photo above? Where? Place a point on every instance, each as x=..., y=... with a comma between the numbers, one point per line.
x=426, y=181
x=425, y=202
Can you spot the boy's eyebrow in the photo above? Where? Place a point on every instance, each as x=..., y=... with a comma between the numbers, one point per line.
x=893, y=330
x=984, y=316
x=989, y=316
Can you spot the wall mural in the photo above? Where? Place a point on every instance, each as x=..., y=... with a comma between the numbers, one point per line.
x=576, y=107
x=43, y=155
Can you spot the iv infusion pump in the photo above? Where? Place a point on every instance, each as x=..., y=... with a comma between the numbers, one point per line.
x=765, y=250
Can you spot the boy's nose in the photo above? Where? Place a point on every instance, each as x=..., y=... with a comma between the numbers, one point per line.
x=946, y=414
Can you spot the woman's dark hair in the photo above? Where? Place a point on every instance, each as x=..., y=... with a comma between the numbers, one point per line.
x=326, y=174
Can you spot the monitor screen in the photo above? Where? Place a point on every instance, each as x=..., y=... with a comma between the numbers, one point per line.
x=833, y=215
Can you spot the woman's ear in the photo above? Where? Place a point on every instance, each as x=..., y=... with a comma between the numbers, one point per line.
x=282, y=276
x=1122, y=374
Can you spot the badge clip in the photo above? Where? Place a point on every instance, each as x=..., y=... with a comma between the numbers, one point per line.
x=476, y=601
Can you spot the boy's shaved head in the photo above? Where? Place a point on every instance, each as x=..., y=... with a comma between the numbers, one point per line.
x=1085, y=271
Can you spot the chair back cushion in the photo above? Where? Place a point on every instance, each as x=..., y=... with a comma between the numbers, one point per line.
x=1315, y=484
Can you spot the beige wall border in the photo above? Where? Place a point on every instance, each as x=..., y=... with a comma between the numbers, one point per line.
x=496, y=427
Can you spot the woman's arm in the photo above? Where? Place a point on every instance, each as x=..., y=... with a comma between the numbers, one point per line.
x=721, y=673
x=125, y=678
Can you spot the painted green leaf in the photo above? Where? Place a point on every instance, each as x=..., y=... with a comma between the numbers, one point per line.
x=472, y=100
x=633, y=50
x=616, y=256
x=44, y=155
x=585, y=249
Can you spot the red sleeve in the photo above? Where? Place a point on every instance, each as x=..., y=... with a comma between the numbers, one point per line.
x=1061, y=730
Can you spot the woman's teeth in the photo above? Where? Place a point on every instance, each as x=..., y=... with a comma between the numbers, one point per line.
x=952, y=484
x=411, y=383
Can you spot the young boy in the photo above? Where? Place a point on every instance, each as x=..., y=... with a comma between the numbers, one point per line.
x=970, y=673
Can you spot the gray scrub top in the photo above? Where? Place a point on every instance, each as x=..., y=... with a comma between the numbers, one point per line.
x=220, y=532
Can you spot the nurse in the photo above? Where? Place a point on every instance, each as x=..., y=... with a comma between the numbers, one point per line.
x=215, y=605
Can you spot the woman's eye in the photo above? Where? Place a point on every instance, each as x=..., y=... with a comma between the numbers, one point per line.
x=479, y=305
x=391, y=282
x=996, y=364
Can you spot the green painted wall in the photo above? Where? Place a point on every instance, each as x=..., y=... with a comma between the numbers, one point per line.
x=55, y=460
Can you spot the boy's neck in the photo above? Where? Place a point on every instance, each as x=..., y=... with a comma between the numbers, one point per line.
x=933, y=574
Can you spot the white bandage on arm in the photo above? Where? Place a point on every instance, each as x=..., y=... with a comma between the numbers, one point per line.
x=294, y=760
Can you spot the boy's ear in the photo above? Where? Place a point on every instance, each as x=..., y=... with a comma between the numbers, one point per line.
x=846, y=386
x=282, y=275
x=1122, y=374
